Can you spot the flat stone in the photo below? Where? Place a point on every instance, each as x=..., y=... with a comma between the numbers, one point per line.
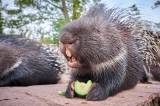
x=47, y=95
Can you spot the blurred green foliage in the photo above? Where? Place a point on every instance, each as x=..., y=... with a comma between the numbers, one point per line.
x=56, y=12
x=50, y=40
x=77, y=9
x=1, y=19
x=58, y=24
x=25, y=3
x=13, y=12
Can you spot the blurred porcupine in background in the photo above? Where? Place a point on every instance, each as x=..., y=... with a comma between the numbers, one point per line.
x=26, y=62
x=148, y=42
x=152, y=53
x=147, y=38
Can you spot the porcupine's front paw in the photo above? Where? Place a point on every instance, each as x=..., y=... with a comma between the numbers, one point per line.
x=96, y=93
x=70, y=90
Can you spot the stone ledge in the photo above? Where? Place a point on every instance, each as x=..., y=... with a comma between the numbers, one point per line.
x=46, y=95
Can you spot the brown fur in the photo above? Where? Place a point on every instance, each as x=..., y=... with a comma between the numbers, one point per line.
x=104, y=51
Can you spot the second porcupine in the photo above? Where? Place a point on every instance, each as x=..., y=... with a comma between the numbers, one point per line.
x=149, y=47
x=100, y=47
x=25, y=62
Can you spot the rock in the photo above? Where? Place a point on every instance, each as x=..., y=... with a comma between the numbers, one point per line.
x=47, y=95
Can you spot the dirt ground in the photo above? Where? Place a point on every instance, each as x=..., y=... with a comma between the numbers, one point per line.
x=47, y=95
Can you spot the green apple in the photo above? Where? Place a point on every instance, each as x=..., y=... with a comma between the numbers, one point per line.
x=81, y=88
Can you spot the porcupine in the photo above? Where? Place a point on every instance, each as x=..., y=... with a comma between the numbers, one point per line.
x=99, y=46
x=26, y=62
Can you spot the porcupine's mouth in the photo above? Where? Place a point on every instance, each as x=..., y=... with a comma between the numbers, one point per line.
x=73, y=62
